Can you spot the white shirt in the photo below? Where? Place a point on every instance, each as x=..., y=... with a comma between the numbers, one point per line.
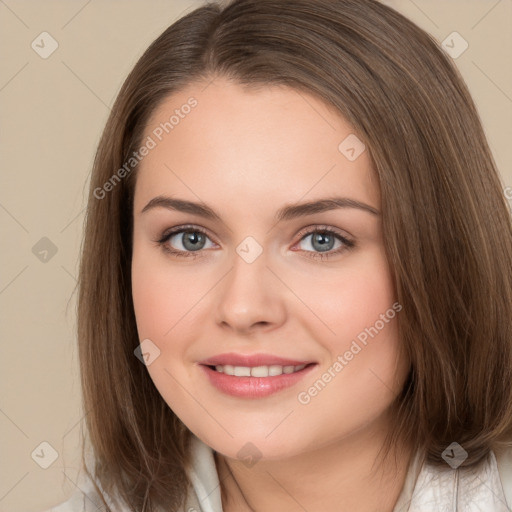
x=484, y=488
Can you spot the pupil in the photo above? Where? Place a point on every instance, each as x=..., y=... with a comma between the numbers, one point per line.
x=322, y=239
x=192, y=239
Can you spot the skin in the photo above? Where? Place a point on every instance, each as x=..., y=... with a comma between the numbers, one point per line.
x=246, y=153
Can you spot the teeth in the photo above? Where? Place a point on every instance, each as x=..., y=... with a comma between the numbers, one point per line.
x=257, y=371
x=242, y=371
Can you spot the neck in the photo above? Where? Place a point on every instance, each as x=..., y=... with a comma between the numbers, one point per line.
x=343, y=475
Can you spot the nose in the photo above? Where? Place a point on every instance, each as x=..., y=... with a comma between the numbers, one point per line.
x=251, y=297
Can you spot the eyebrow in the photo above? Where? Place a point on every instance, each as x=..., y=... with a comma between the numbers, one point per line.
x=288, y=212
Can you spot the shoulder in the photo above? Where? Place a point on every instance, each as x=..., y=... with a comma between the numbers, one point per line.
x=75, y=503
x=504, y=463
x=202, y=495
x=85, y=498
x=484, y=486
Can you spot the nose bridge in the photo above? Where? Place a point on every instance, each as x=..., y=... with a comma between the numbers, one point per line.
x=248, y=295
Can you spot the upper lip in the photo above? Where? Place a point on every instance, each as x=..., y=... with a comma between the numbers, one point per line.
x=251, y=360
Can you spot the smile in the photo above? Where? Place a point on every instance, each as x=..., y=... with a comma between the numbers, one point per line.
x=252, y=382
x=257, y=371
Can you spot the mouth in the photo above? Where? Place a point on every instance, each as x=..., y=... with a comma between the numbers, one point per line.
x=249, y=377
x=263, y=371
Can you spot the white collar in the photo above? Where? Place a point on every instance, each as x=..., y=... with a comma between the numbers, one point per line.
x=443, y=489
x=427, y=488
x=203, y=476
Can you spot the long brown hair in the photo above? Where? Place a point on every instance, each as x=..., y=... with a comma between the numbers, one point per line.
x=446, y=225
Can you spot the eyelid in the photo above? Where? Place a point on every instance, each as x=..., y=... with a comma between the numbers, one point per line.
x=304, y=231
x=184, y=227
x=347, y=241
x=312, y=228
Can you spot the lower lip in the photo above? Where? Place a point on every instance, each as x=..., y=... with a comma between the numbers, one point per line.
x=254, y=387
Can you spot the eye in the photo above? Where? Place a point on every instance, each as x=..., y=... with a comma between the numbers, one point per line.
x=323, y=239
x=190, y=239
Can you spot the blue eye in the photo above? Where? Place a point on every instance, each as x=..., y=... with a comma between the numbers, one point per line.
x=323, y=240
x=193, y=238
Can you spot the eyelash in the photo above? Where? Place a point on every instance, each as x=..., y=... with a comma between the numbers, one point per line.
x=162, y=241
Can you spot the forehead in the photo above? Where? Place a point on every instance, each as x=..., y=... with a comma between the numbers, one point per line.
x=273, y=142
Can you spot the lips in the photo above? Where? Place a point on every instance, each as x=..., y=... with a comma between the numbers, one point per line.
x=254, y=376
x=252, y=360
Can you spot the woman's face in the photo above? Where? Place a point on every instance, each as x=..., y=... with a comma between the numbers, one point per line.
x=258, y=275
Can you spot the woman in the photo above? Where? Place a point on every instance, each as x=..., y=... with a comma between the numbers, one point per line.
x=227, y=362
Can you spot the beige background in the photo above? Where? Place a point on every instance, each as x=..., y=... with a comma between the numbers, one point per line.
x=52, y=112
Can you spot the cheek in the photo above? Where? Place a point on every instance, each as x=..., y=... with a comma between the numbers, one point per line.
x=359, y=380
x=167, y=301
x=362, y=370
x=344, y=304
x=163, y=300
x=163, y=297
